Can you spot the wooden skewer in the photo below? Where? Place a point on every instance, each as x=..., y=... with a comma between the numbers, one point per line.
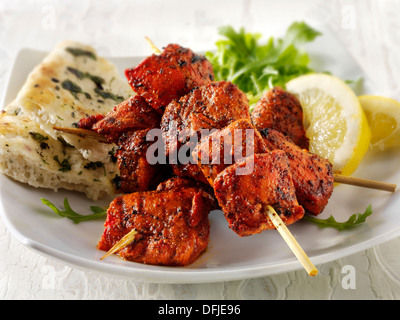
x=153, y=46
x=125, y=240
x=84, y=133
x=365, y=183
x=291, y=241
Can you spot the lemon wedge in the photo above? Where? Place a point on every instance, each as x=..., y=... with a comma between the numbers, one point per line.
x=383, y=115
x=334, y=120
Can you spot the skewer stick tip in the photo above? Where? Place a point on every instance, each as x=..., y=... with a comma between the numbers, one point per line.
x=291, y=241
x=83, y=133
x=152, y=45
x=365, y=183
x=313, y=273
x=125, y=240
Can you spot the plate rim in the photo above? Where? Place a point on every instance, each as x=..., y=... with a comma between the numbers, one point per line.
x=190, y=276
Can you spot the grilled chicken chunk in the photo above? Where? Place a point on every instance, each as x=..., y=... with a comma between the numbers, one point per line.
x=212, y=106
x=127, y=125
x=172, y=225
x=159, y=79
x=178, y=182
x=136, y=173
x=130, y=115
x=312, y=174
x=243, y=198
x=281, y=110
x=224, y=147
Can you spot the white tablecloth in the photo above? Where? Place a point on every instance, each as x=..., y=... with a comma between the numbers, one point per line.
x=370, y=31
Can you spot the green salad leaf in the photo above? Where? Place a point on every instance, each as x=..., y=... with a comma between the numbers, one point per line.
x=98, y=212
x=355, y=220
x=256, y=67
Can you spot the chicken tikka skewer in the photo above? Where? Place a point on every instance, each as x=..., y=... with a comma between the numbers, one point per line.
x=203, y=116
x=172, y=88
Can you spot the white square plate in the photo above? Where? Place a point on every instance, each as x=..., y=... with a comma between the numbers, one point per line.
x=228, y=257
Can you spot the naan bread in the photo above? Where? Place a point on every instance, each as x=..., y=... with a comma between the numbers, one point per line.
x=71, y=83
x=30, y=155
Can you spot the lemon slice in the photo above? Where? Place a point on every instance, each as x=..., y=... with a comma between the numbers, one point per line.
x=383, y=115
x=334, y=121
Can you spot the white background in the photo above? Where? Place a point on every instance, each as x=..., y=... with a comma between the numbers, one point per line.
x=368, y=29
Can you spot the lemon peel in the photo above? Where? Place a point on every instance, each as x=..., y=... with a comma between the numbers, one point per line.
x=334, y=120
x=383, y=116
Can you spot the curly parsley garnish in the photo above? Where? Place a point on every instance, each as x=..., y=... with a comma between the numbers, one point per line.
x=355, y=220
x=98, y=212
x=255, y=67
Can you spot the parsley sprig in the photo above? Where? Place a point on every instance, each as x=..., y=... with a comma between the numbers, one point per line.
x=354, y=220
x=242, y=58
x=98, y=212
